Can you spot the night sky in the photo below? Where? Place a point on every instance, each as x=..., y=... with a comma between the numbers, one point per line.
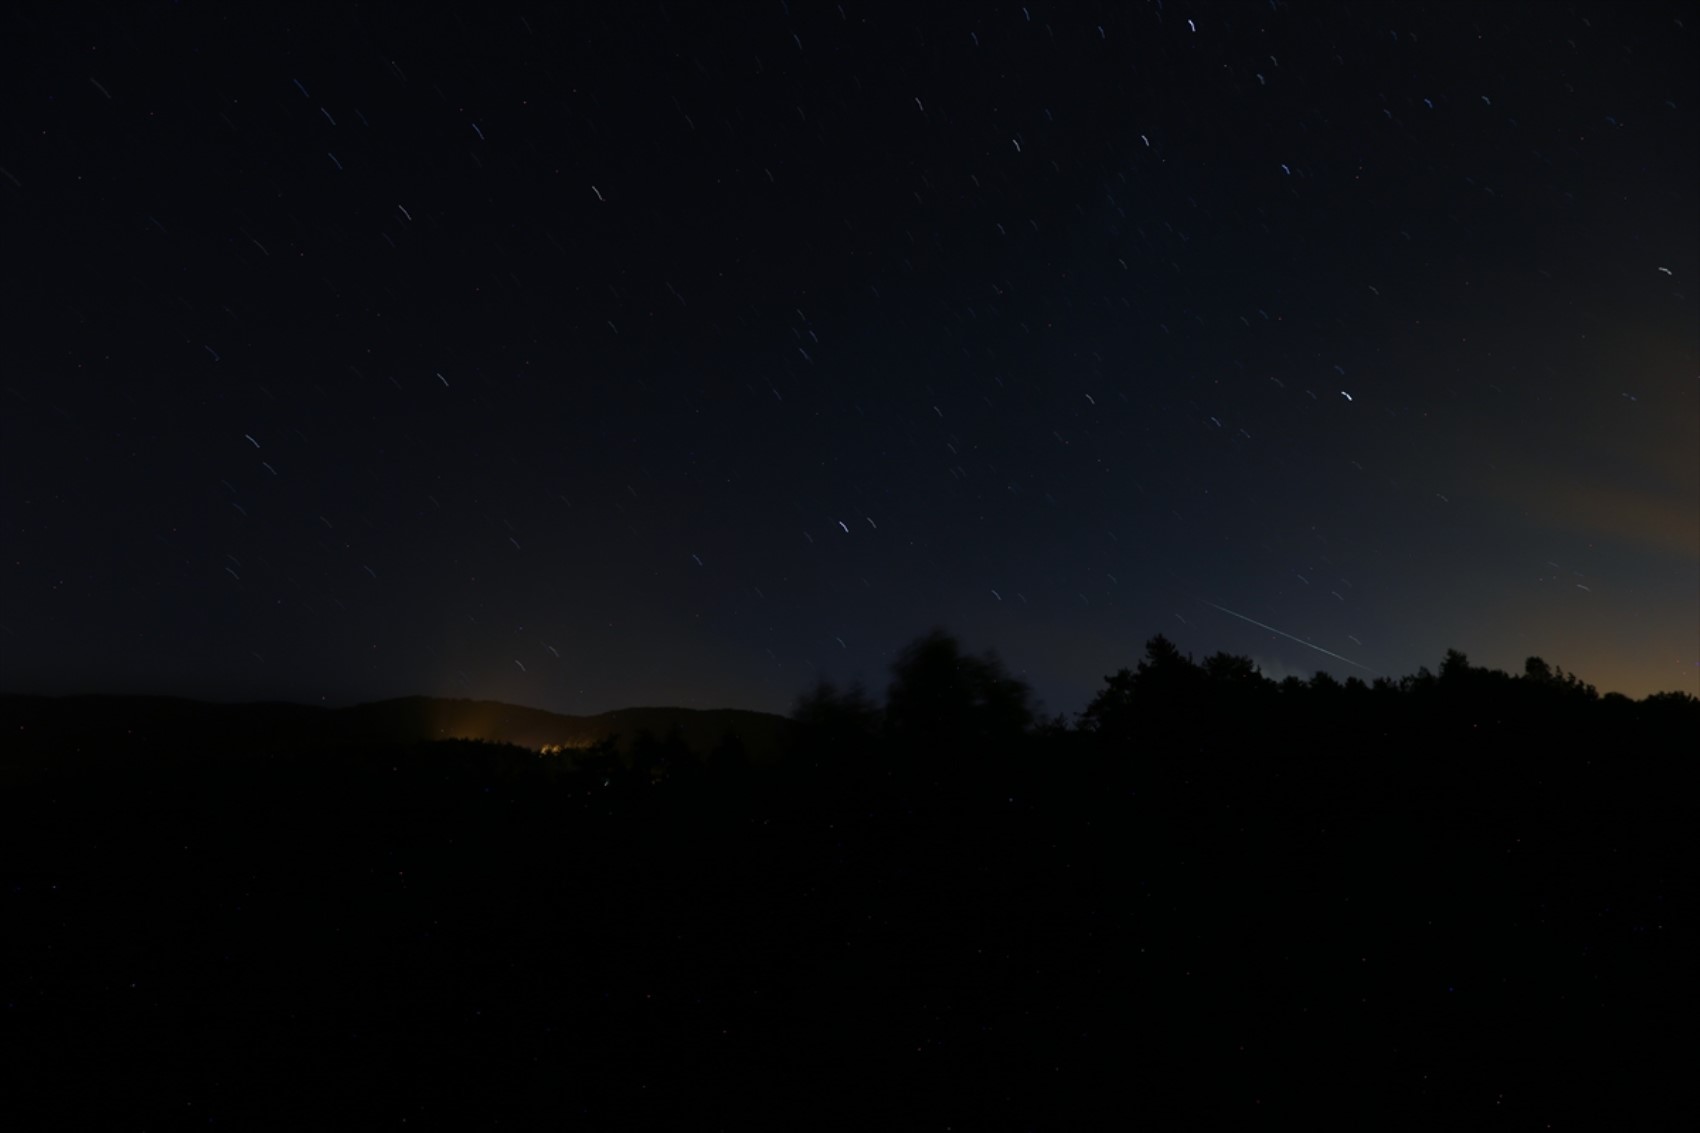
x=621, y=354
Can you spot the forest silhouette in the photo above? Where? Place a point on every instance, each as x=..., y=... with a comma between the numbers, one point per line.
x=1447, y=899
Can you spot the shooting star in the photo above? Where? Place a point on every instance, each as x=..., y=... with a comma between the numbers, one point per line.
x=1288, y=636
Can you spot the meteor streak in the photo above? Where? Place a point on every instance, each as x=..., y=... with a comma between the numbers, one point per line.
x=1288, y=636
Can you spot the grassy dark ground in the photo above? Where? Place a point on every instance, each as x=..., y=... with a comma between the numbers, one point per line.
x=363, y=937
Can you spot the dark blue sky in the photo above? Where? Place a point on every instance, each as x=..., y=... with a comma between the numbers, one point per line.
x=684, y=353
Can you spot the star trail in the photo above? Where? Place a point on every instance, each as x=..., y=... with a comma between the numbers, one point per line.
x=605, y=355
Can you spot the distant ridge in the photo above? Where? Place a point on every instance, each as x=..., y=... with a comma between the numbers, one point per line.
x=414, y=718
x=44, y=734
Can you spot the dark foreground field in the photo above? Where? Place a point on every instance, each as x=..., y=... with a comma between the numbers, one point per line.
x=1205, y=938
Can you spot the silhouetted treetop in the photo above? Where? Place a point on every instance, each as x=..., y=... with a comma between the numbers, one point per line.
x=1165, y=684
x=836, y=725
x=942, y=697
x=1164, y=664
x=1230, y=669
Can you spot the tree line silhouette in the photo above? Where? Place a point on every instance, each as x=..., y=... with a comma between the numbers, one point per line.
x=1209, y=897
x=947, y=707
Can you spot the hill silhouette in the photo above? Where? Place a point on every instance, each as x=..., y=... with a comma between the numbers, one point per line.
x=58, y=734
x=1456, y=899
